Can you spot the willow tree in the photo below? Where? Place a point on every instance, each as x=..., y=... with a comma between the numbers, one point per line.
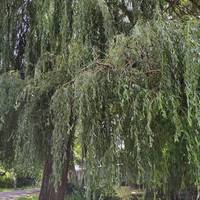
x=122, y=76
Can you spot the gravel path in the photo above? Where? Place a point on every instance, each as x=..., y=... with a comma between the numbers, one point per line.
x=12, y=195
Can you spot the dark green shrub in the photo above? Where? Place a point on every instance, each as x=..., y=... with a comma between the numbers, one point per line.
x=25, y=181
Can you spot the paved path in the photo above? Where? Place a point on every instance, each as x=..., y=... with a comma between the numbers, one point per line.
x=12, y=195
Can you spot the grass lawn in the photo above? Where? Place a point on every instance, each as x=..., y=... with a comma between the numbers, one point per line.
x=28, y=198
x=5, y=190
x=124, y=193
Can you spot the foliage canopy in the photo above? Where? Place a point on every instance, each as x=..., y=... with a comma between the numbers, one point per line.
x=124, y=75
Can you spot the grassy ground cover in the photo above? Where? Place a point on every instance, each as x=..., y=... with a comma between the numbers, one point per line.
x=5, y=190
x=124, y=193
x=28, y=198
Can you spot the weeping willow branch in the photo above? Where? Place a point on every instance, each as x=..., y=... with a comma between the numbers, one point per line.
x=122, y=89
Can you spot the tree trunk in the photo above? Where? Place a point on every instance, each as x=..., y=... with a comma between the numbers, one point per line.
x=48, y=191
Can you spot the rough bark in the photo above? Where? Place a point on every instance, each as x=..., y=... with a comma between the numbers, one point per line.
x=48, y=191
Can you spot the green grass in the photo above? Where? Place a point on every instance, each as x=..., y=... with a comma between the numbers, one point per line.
x=28, y=198
x=126, y=193
x=5, y=190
